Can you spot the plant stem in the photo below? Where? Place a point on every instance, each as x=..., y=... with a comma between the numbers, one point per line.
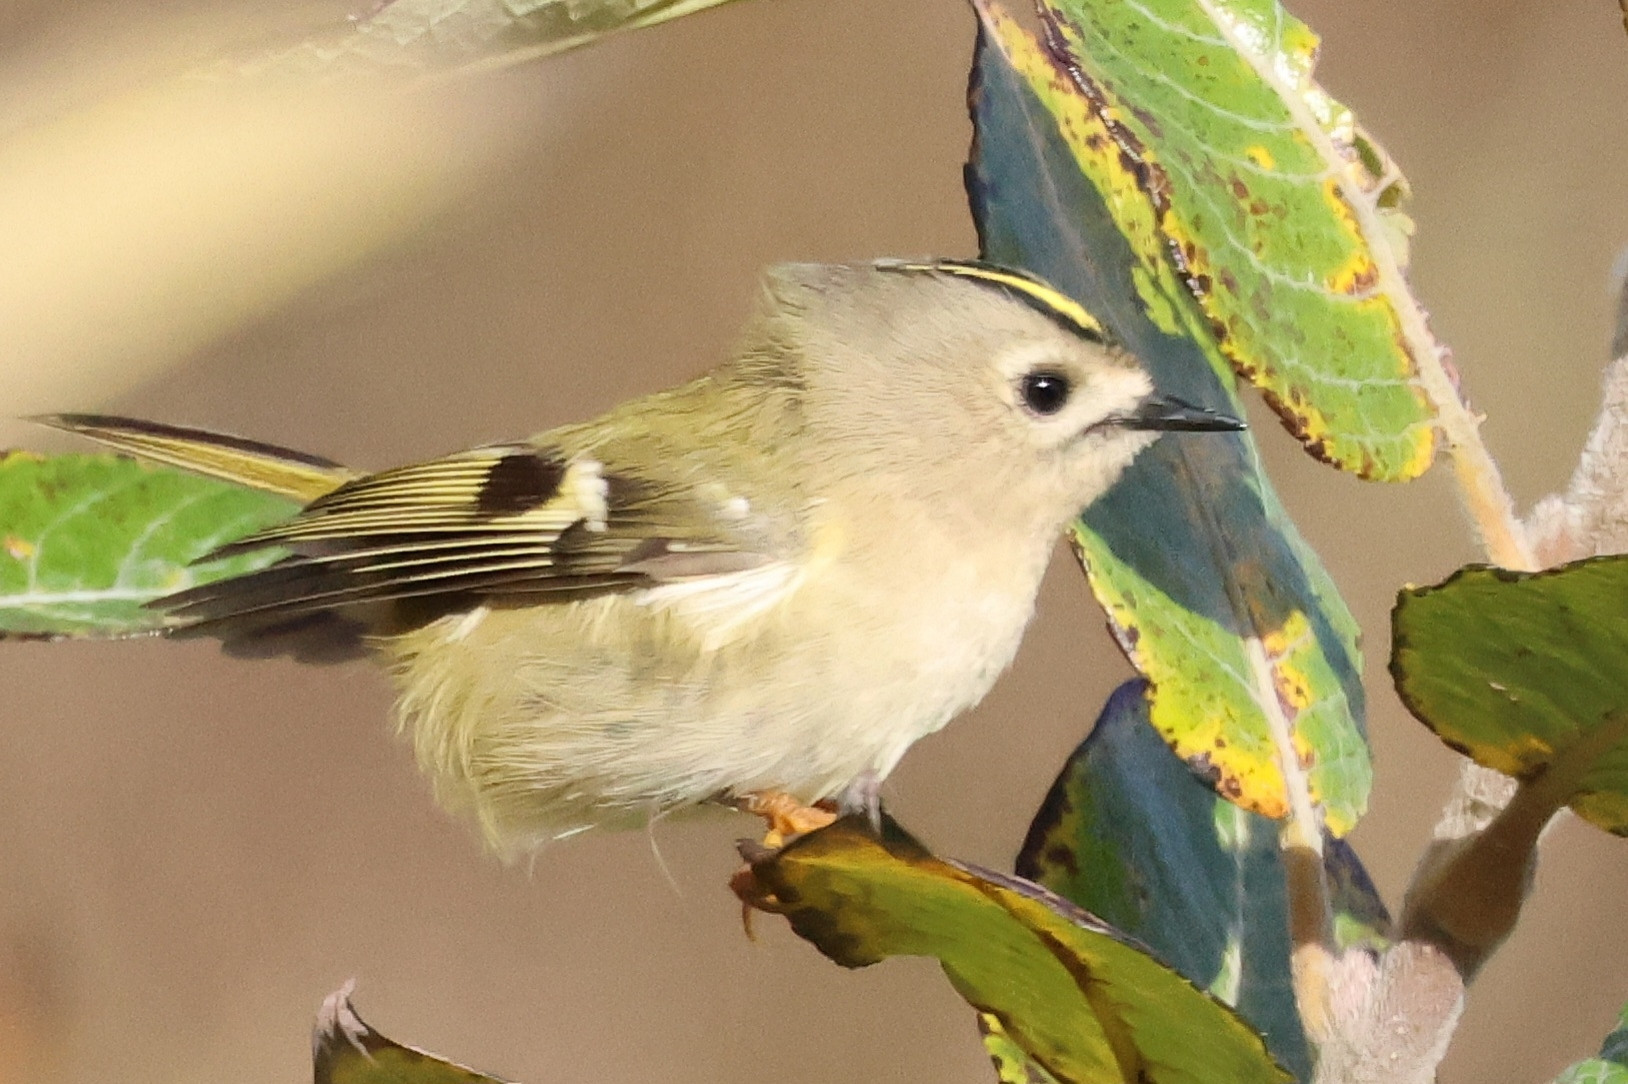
x=1311, y=921
x=1480, y=484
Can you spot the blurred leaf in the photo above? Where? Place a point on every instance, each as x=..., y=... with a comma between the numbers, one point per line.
x=1611, y=1067
x=346, y=1050
x=1079, y=998
x=1527, y=673
x=439, y=34
x=87, y=540
x=1213, y=594
x=1130, y=835
x=1275, y=212
x=129, y=205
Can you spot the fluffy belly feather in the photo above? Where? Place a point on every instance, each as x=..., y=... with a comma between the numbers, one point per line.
x=543, y=721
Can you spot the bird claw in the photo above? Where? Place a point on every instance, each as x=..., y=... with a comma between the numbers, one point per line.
x=787, y=818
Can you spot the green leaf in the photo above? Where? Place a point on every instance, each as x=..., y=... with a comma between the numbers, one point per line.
x=1130, y=835
x=87, y=540
x=1527, y=673
x=1012, y=1065
x=1080, y=999
x=1276, y=215
x=426, y=35
x=1361, y=919
x=1214, y=596
x=346, y=1050
x=1611, y=1067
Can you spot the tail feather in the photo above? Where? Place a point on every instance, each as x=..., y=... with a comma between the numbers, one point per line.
x=317, y=636
x=250, y=463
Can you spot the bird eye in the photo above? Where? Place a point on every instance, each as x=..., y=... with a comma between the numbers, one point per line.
x=1045, y=391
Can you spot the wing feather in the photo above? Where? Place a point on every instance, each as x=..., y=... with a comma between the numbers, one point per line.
x=507, y=520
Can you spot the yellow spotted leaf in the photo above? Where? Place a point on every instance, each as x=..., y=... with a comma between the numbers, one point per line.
x=1212, y=592
x=1240, y=182
x=1085, y=1003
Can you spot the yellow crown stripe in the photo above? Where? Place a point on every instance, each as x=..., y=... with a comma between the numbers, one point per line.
x=1041, y=294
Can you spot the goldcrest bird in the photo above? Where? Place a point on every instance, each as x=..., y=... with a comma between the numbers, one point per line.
x=772, y=580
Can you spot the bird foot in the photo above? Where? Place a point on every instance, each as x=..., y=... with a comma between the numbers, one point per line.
x=787, y=818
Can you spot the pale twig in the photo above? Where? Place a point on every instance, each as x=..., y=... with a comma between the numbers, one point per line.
x=1395, y=1017
x=1396, y=1026
x=1468, y=889
x=1467, y=892
x=1480, y=485
x=1491, y=511
x=1311, y=921
x=1482, y=794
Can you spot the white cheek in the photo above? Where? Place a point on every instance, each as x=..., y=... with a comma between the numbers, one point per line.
x=1118, y=390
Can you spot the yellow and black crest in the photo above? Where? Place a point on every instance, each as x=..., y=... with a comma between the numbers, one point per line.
x=1031, y=290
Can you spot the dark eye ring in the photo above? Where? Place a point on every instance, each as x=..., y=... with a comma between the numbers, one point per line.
x=1045, y=391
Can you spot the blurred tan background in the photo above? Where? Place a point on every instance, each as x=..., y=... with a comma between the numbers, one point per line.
x=193, y=850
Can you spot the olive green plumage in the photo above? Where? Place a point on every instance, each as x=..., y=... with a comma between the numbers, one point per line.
x=775, y=577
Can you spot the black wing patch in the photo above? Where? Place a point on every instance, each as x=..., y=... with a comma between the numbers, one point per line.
x=510, y=520
x=520, y=482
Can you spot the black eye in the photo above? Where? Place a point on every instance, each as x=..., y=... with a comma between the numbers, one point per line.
x=1045, y=391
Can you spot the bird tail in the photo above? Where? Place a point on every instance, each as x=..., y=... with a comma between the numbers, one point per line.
x=250, y=463
x=316, y=637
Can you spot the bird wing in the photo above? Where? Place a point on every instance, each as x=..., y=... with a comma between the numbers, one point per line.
x=522, y=521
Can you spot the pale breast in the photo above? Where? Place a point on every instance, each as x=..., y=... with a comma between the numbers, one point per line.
x=615, y=709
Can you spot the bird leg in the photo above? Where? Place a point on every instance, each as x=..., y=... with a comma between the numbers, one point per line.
x=786, y=816
x=863, y=795
x=787, y=819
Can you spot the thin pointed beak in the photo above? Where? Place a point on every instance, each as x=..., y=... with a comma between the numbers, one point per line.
x=1169, y=414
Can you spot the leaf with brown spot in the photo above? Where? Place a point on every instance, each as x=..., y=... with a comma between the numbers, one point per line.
x=1081, y=1000
x=1129, y=834
x=1213, y=594
x=1268, y=220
